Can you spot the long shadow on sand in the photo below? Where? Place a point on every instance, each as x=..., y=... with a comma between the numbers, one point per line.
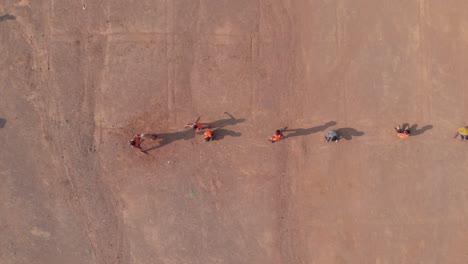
x=348, y=133
x=225, y=122
x=306, y=131
x=220, y=133
x=7, y=17
x=167, y=138
x=414, y=131
x=2, y=122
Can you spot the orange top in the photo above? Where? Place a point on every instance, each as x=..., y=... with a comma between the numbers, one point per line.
x=208, y=133
x=276, y=137
x=403, y=135
x=199, y=125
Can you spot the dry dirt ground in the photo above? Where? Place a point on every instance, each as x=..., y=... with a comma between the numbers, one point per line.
x=79, y=78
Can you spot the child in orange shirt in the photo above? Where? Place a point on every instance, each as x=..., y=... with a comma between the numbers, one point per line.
x=197, y=126
x=138, y=139
x=208, y=135
x=277, y=136
x=402, y=132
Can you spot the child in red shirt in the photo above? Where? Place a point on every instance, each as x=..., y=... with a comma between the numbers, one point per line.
x=138, y=139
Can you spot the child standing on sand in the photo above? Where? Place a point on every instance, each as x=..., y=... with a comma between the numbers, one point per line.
x=462, y=133
x=333, y=136
x=402, y=132
x=208, y=135
x=277, y=136
x=197, y=126
x=138, y=139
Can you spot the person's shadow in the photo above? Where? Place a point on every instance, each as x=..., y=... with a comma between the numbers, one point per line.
x=306, y=131
x=7, y=17
x=167, y=138
x=220, y=133
x=225, y=122
x=2, y=122
x=348, y=133
x=414, y=131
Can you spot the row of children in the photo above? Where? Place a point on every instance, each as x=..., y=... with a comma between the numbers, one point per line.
x=197, y=126
x=332, y=135
x=402, y=132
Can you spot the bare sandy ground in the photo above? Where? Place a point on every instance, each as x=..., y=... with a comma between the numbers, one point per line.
x=80, y=78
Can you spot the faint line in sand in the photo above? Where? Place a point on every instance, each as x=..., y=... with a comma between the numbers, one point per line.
x=170, y=57
x=425, y=86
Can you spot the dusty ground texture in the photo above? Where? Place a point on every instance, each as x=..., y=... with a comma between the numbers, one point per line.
x=79, y=78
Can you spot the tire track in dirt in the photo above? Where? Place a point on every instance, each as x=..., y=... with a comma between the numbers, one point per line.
x=62, y=180
x=170, y=46
x=424, y=84
x=277, y=36
x=72, y=134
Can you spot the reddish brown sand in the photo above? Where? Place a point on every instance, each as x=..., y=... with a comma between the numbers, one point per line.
x=79, y=78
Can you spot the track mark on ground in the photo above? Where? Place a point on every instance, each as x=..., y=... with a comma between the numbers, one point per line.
x=424, y=84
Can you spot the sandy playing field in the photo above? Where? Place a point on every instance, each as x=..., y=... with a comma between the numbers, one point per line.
x=79, y=78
